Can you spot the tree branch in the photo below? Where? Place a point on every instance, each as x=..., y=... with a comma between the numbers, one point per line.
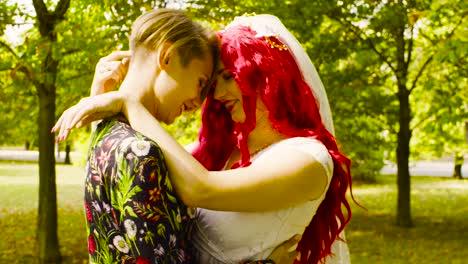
x=413, y=86
x=363, y=37
x=27, y=71
x=41, y=10
x=410, y=48
x=10, y=49
x=79, y=76
x=70, y=52
x=61, y=9
x=421, y=70
x=6, y=69
x=428, y=118
x=21, y=23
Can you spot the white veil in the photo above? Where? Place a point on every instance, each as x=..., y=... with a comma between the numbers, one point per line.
x=268, y=25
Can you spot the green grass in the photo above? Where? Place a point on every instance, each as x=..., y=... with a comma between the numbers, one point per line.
x=439, y=211
x=18, y=213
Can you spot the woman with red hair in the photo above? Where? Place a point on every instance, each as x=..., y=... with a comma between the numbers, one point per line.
x=266, y=164
x=270, y=111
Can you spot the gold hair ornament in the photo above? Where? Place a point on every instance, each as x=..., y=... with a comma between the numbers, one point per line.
x=275, y=45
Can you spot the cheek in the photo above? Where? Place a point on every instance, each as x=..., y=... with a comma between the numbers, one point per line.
x=234, y=90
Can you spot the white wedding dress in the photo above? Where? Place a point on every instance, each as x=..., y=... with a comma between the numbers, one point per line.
x=232, y=237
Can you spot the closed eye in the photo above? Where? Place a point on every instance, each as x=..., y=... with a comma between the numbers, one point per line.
x=202, y=83
x=226, y=75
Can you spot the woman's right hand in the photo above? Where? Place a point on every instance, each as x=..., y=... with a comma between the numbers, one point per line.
x=110, y=71
x=89, y=109
x=286, y=252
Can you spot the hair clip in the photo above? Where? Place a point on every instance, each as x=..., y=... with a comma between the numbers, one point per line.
x=273, y=44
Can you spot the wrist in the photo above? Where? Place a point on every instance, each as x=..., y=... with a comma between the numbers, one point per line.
x=128, y=101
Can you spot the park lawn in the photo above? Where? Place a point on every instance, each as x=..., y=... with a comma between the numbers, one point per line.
x=439, y=210
x=18, y=213
x=439, y=213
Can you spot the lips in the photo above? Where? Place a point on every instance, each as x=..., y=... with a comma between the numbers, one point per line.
x=181, y=110
x=229, y=104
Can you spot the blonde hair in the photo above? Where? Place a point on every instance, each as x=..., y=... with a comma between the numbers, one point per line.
x=191, y=40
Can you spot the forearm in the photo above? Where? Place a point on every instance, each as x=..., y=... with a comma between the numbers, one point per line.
x=283, y=177
x=186, y=173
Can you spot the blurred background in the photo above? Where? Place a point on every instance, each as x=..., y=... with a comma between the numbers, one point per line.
x=396, y=76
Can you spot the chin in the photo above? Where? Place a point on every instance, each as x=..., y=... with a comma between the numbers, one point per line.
x=168, y=122
x=238, y=118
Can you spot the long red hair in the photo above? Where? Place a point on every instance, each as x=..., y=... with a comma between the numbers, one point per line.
x=261, y=66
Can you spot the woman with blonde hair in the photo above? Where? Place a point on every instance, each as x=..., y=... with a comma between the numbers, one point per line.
x=132, y=213
x=266, y=165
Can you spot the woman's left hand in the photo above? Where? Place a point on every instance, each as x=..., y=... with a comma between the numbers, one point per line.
x=89, y=109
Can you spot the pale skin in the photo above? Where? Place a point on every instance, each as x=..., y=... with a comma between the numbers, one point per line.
x=284, y=177
x=139, y=108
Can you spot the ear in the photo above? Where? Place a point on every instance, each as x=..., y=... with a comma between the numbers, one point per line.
x=165, y=55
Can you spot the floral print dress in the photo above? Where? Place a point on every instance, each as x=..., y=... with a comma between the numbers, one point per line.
x=133, y=214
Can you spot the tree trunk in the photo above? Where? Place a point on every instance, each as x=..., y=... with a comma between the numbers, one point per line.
x=48, y=248
x=457, y=174
x=403, y=152
x=47, y=239
x=67, y=154
x=57, y=146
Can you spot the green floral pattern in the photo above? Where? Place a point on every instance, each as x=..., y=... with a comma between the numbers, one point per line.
x=133, y=214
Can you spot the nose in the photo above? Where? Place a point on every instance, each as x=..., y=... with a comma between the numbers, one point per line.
x=219, y=92
x=193, y=104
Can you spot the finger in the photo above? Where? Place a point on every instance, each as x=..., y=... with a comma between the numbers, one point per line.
x=64, y=128
x=126, y=62
x=115, y=71
x=59, y=122
x=118, y=55
x=87, y=119
x=114, y=65
x=292, y=256
x=103, y=68
x=123, y=70
x=87, y=110
x=68, y=126
x=116, y=76
x=292, y=242
x=57, y=125
x=61, y=126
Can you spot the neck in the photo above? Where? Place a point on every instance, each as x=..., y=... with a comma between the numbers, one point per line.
x=263, y=134
x=139, y=81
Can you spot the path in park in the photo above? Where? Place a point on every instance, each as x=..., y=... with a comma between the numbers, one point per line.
x=420, y=168
x=33, y=155
x=429, y=168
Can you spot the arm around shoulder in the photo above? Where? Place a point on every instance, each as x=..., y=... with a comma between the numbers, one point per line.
x=284, y=176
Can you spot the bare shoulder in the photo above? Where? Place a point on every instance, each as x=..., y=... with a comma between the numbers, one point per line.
x=299, y=152
x=286, y=174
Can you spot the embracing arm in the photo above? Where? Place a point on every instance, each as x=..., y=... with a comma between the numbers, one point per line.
x=281, y=178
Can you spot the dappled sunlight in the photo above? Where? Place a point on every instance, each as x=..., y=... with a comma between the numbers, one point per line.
x=439, y=212
x=18, y=213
